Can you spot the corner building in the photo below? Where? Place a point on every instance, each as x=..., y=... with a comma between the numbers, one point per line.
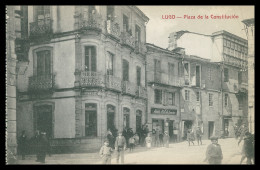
x=86, y=73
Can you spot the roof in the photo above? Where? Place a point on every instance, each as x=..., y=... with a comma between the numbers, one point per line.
x=249, y=22
x=228, y=34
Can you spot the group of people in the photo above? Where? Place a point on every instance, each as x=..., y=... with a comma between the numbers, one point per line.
x=191, y=136
x=39, y=143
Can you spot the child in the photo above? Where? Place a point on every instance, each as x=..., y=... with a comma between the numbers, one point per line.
x=148, y=141
x=214, y=152
x=131, y=143
x=105, y=153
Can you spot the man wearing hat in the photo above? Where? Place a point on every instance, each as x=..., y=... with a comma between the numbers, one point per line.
x=105, y=153
x=120, y=146
x=198, y=135
x=214, y=153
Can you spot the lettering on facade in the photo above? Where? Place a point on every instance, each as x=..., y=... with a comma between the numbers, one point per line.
x=163, y=111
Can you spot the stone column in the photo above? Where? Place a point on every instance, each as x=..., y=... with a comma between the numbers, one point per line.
x=11, y=136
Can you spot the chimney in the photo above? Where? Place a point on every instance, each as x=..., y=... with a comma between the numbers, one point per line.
x=173, y=38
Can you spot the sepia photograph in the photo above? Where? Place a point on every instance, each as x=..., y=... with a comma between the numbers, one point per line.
x=122, y=85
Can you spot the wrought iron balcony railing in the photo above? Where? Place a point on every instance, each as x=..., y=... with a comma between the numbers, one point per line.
x=127, y=39
x=41, y=82
x=176, y=81
x=113, y=29
x=92, y=79
x=113, y=83
x=93, y=21
x=243, y=87
x=41, y=28
x=142, y=93
x=129, y=88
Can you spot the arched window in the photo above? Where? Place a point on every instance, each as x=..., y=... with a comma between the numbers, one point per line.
x=126, y=112
x=138, y=120
x=90, y=119
x=111, y=117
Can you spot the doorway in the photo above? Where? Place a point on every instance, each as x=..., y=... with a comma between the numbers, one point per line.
x=211, y=129
x=187, y=124
x=171, y=135
x=91, y=119
x=138, y=120
x=44, y=119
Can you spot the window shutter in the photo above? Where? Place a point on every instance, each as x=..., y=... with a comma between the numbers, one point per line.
x=93, y=59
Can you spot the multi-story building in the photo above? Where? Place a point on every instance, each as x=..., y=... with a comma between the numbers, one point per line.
x=229, y=52
x=86, y=73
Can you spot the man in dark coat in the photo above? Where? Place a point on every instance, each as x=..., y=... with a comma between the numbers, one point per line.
x=110, y=139
x=36, y=141
x=198, y=135
x=22, y=144
x=43, y=147
x=248, y=148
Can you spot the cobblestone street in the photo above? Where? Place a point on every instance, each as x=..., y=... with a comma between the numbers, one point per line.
x=178, y=153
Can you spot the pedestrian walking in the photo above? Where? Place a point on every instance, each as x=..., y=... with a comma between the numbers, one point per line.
x=22, y=145
x=161, y=139
x=214, y=153
x=166, y=139
x=148, y=141
x=120, y=146
x=43, y=147
x=106, y=152
x=190, y=137
x=36, y=141
x=248, y=148
x=131, y=143
x=110, y=139
x=198, y=135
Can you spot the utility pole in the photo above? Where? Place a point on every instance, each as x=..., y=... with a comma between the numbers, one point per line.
x=250, y=33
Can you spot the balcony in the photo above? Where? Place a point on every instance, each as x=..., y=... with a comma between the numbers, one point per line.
x=41, y=83
x=243, y=87
x=113, y=29
x=176, y=81
x=142, y=93
x=41, y=28
x=127, y=39
x=92, y=79
x=93, y=22
x=113, y=83
x=140, y=48
x=129, y=88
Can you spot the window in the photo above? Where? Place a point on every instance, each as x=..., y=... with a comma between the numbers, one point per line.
x=226, y=75
x=171, y=98
x=125, y=70
x=158, y=96
x=240, y=103
x=210, y=99
x=110, y=12
x=90, y=119
x=126, y=113
x=138, y=75
x=197, y=96
x=137, y=34
x=110, y=117
x=110, y=65
x=239, y=77
x=187, y=73
x=42, y=14
x=90, y=58
x=187, y=95
x=210, y=73
x=157, y=70
x=171, y=71
x=226, y=100
x=125, y=23
x=43, y=63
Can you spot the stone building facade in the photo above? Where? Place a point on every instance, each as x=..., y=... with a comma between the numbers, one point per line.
x=86, y=73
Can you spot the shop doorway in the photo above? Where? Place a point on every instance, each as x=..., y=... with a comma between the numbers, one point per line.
x=187, y=124
x=44, y=119
x=170, y=132
x=211, y=129
x=91, y=119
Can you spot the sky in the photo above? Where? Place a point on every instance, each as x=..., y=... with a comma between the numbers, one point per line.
x=158, y=29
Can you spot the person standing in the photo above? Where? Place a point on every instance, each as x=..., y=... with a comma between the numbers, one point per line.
x=110, y=139
x=131, y=143
x=43, y=147
x=190, y=137
x=248, y=148
x=157, y=138
x=161, y=139
x=120, y=146
x=166, y=139
x=148, y=141
x=22, y=144
x=105, y=153
x=214, y=153
x=198, y=135
x=36, y=141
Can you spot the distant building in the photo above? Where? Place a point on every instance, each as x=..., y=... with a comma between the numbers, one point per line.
x=230, y=53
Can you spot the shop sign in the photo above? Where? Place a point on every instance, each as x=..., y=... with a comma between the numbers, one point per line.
x=163, y=111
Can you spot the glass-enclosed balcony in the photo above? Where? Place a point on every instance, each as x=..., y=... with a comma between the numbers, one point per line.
x=113, y=83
